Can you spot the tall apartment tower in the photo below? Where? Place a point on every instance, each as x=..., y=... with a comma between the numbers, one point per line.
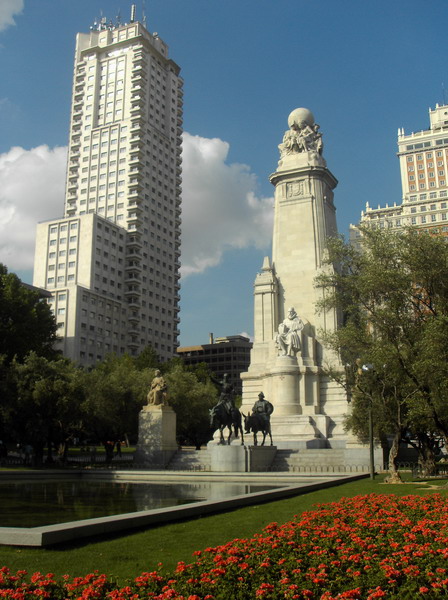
x=423, y=159
x=112, y=262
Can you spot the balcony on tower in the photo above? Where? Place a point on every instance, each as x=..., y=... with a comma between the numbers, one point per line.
x=137, y=145
x=72, y=185
x=133, y=301
x=137, y=103
x=134, y=242
x=133, y=317
x=136, y=123
x=133, y=343
x=79, y=91
x=136, y=160
x=133, y=330
x=138, y=73
x=132, y=277
x=134, y=183
x=133, y=266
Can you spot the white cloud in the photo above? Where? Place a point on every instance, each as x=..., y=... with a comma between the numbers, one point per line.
x=220, y=207
x=9, y=8
x=31, y=190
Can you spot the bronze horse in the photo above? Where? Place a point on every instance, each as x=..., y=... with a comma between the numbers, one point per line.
x=256, y=423
x=220, y=419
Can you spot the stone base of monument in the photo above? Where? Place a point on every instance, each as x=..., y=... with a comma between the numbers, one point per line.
x=356, y=457
x=261, y=457
x=227, y=459
x=233, y=440
x=156, y=436
x=240, y=459
x=300, y=431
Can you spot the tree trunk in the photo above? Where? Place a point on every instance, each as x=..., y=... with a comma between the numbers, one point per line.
x=394, y=475
x=63, y=451
x=109, y=448
x=38, y=455
x=384, y=441
x=427, y=460
x=49, y=459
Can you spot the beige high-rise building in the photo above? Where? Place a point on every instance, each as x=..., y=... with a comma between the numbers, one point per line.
x=423, y=159
x=112, y=262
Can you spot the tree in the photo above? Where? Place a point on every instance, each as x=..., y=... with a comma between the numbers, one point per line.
x=191, y=399
x=26, y=321
x=394, y=298
x=115, y=391
x=191, y=394
x=46, y=404
x=147, y=359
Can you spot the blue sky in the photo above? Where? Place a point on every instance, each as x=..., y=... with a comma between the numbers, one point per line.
x=365, y=68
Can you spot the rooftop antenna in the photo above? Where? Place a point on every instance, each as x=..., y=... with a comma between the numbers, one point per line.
x=118, y=18
x=444, y=94
x=132, y=13
x=103, y=22
x=143, y=13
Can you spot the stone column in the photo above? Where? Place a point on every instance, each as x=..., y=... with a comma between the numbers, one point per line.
x=285, y=386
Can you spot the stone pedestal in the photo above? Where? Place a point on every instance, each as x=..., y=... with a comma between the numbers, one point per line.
x=285, y=386
x=260, y=458
x=241, y=459
x=300, y=431
x=156, y=436
x=228, y=459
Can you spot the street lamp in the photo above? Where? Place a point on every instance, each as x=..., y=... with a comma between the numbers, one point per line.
x=366, y=368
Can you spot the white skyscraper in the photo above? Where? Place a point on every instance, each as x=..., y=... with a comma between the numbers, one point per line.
x=112, y=262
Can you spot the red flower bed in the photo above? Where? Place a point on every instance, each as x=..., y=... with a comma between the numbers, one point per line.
x=358, y=548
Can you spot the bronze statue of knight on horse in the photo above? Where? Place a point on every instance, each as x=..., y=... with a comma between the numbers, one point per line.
x=225, y=414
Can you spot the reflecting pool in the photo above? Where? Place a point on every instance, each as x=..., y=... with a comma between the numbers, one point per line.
x=38, y=503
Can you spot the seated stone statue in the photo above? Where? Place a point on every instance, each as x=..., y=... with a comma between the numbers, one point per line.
x=157, y=394
x=288, y=337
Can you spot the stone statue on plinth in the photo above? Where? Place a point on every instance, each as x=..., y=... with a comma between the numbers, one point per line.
x=287, y=338
x=156, y=426
x=158, y=392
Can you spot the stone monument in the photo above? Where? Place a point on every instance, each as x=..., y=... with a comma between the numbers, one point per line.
x=156, y=427
x=288, y=357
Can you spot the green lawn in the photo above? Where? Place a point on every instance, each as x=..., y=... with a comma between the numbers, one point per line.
x=126, y=556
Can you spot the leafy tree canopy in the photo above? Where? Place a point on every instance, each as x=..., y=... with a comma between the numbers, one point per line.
x=26, y=321
x=191, y=399
x=115, y=391
x=393, y=295
x=46, y=406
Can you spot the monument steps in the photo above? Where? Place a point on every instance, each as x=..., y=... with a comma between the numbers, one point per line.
x=325, y=460
x=189, y=459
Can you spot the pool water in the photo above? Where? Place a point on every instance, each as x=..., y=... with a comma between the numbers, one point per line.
x=38, y=503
